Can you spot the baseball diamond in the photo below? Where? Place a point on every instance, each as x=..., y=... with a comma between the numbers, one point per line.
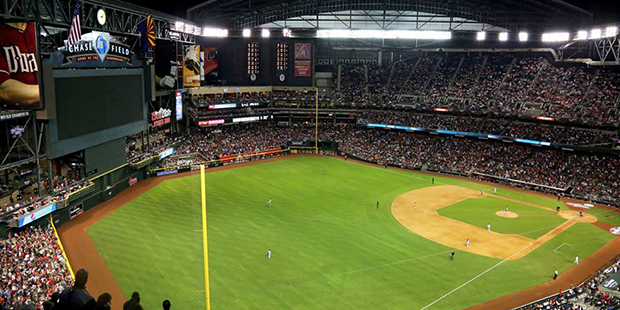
x=399, y=248
x=309, y=155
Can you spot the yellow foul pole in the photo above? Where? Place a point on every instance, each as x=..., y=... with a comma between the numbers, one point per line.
x=316, y=123
x=205, y=244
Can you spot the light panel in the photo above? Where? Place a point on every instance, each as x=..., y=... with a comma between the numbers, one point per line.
x=265, y=33
x=286, y=32
x=556, y=36
x=595, y=34
x=523, y=36
x=582, y=35
x=481, y=36
x=214, y=32
x=611, y=31
x=384, y=34
x=503, y=36
x=247, y=33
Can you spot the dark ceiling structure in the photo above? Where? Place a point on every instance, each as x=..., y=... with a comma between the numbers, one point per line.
x=531, y=15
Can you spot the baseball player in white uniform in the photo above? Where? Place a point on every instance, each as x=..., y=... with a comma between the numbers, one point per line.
x=269, y=202
x=489, y=227
x=269, y=253
x=576, y=260
x=467, y=243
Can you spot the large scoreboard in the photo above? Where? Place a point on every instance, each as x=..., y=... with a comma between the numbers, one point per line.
x=95, y=106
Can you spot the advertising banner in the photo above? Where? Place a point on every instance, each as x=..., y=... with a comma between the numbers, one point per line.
x=95, y=50
x=210, y=64
x=37, y=214
x=76, y=210
x=303, y=51
x=191, y=66
x=212, y=122
x=19, y=66
x=179, y=105
x=303, y=68
x=161, y=117
x=166, y=153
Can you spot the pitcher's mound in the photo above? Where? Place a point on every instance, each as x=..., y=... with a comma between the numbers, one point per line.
x=509, y=214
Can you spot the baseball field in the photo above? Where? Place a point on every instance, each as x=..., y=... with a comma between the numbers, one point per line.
x=343, y=235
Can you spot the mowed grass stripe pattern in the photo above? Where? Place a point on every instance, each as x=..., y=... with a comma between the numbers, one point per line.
x=332, y=248
x=532, y=222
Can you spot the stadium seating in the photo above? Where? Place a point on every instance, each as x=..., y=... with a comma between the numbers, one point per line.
x=516, y=85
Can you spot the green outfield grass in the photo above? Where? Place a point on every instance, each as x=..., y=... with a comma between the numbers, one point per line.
x=332, y=248
x=532, y=222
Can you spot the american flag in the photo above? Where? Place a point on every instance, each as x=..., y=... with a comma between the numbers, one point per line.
x=75, y=32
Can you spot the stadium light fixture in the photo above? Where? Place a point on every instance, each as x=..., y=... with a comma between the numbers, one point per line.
x=247, y=33
x=611, y=31
x=179, y=26
x=286, y=32
x=557, y=36
x=481, y=35
x=384, y=34
x=523, y=36
x=582, y=35
x=214, y=32
x=265, y=33
x=595, y=34
x=503, y=36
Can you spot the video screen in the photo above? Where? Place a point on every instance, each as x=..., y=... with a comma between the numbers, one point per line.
x=19, y=66
x=87, y=104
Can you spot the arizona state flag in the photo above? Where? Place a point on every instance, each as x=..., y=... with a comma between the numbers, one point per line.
x=147, y=31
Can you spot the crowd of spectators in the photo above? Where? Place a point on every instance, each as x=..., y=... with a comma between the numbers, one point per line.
x=501, y=83
x=137, y=148
x=63, y=188
x=32, y=268
x=35, y=276
x=587, y=175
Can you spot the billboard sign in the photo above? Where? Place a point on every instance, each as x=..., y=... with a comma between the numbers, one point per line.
x=191, y=66
x=37, y=214
x=303, y=51
x=166, y=153
x=179, y=105
x=211, y=122
x=303, y=68
x=161, y=117
x=19, y=66
x=95, y=49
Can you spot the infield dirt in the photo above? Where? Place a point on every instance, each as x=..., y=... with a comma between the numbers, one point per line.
x=417, y=210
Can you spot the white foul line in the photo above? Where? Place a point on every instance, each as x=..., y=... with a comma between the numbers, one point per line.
x=561, y=245
x=492, y=267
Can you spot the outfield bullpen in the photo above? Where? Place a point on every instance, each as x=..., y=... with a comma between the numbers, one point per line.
x=333, y=248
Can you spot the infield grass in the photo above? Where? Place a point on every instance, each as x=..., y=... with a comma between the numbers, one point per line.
x=532, y=222
x=332, y=248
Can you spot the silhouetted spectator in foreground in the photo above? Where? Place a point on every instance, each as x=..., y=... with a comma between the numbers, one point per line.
x=104, y=302
x=166, y=304
x=77, y=297
x=133, y=303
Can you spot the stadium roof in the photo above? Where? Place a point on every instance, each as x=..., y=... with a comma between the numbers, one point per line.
x=532, y=15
